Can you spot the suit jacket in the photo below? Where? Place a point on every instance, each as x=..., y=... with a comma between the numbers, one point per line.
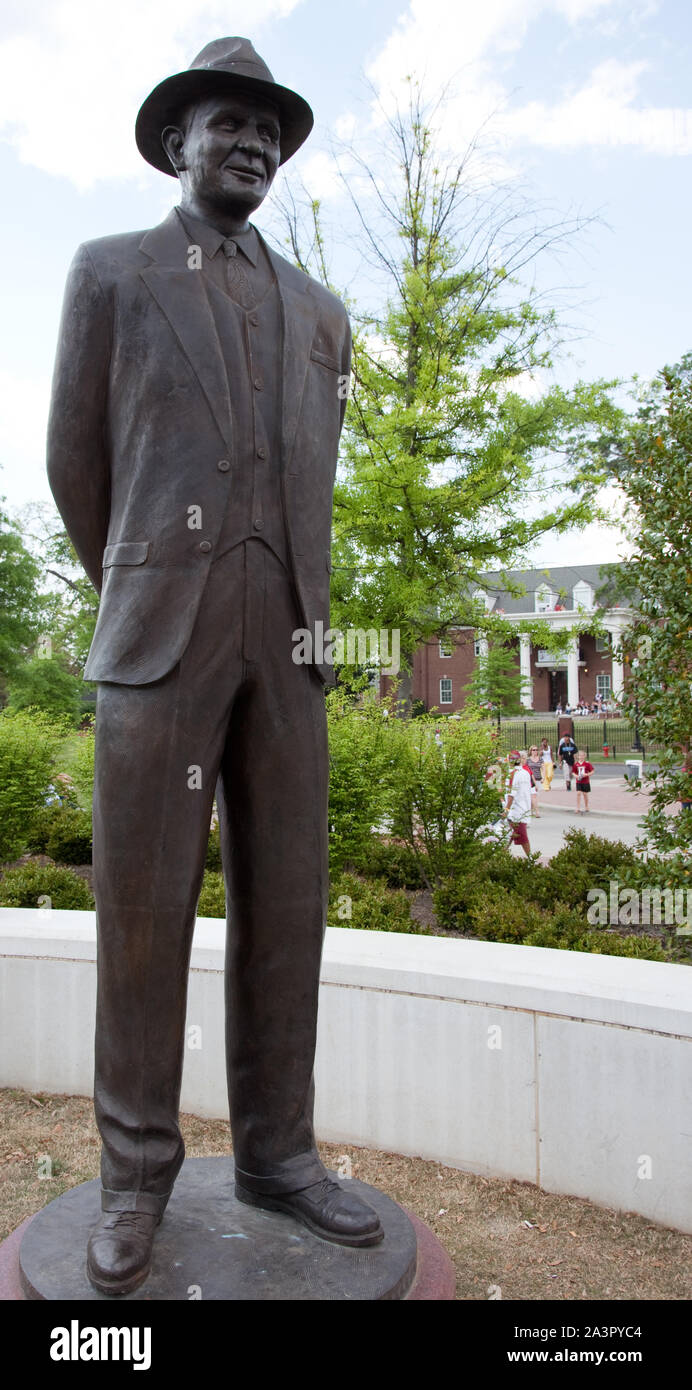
x=140, y=420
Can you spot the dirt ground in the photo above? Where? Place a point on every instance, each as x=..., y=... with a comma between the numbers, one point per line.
x=505, y=1239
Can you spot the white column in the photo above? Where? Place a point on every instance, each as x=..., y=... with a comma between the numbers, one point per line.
x=617, y=678
x=573, y=673
x=525, y=670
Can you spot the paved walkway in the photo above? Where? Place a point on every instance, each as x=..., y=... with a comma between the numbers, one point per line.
x=609, y=796
x=614, y=813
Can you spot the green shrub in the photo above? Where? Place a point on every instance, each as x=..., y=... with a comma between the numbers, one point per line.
x=497, y=914
x=368, y=905
x=81, y=762
x=396, y=864
x=585, y=862
x=30, y=883
x=41, y=826
x=212, y=899
x=28, y=743
x=498, y=868
x=213, y=860
x=69, y=837
x=62, y=832
x=361, y=751
x=673, y=871
x=441, y=802
x=561, y=930
x=610, y=944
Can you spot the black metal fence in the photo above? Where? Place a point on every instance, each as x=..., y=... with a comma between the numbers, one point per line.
x=594, y=735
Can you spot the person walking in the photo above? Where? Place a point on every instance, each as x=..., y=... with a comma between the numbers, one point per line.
x=519, y=804
x=566, y=754
x=533, y=763
x=582, y=771
x=547, y=764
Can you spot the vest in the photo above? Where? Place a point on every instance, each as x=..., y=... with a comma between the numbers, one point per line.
x=252, y=350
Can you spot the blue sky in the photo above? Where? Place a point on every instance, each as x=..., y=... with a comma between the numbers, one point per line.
x=590, y=110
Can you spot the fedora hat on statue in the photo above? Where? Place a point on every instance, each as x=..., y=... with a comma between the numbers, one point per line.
x=224, y=65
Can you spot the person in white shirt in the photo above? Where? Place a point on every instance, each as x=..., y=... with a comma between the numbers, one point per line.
x=520, y=802
x=547, y=765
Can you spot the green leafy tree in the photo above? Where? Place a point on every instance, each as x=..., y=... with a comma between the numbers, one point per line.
x=450, y=466
x=70, y=603
x=45, y=683
x=361, y=758
x=20, y=600
x=652, y=462
x=441, y=799
x=496, y=683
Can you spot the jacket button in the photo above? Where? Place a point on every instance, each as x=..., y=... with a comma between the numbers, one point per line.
x=223, y=465
x=254, y=320
x=258, y=524
x=257, y=383
x=205, y=547
x=261, y=452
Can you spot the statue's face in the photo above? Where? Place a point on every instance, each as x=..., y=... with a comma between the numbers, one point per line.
x=228, y=153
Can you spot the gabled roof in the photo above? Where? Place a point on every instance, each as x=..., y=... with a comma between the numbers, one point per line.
x=560, y=579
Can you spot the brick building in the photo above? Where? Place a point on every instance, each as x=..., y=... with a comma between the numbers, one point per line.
x=566, y=597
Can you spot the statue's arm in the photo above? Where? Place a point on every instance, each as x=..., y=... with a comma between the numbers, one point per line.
x=345, y=369
x=77, y=453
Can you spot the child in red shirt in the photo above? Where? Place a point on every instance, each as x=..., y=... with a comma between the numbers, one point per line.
x=582, y=772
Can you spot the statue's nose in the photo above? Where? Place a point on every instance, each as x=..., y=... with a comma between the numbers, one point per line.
x=249, y=141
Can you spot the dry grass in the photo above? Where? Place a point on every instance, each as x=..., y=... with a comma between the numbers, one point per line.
x=534, y=1245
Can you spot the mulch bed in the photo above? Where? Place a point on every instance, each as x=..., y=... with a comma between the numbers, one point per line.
x=506, y=1236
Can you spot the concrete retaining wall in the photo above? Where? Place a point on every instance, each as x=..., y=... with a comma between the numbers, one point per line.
x=570, y=1071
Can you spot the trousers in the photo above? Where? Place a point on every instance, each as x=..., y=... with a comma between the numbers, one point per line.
x=235, y=718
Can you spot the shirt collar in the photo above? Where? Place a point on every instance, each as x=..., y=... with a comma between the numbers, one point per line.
x=210, y=239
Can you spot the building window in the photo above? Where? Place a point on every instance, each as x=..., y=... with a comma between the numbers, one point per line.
x=445, y=692
x=582, y=595
x=603, y=686
x=446, y=646
x=478, y=646
x=603, y=645
x=545, y=599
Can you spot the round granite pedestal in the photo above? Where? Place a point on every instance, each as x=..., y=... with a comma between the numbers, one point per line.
x=212, y=1247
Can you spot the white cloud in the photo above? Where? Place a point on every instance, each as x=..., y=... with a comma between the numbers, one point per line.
x=602, y=113
x=75, y=72
x=443, y=43
x=437, y=38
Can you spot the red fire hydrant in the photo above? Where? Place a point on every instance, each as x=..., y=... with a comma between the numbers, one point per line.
x=606, y=750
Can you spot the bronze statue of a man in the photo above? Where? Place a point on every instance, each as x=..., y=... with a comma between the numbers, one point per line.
x=197, y=404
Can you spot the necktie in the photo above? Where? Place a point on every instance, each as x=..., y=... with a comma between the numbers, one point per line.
x=237, y=281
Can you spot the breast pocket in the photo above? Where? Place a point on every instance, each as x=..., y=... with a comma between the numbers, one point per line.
x=126, y=553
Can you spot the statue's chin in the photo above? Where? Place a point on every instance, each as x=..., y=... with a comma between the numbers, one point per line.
x=237, y=205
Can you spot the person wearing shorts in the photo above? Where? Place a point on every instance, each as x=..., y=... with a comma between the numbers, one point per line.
x=517, y=812
x=582, y=772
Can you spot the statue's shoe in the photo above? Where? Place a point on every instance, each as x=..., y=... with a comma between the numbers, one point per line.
x=327, y=1210
x=119, y=1250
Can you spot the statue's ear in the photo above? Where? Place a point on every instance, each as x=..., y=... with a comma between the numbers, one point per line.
x=173, y=141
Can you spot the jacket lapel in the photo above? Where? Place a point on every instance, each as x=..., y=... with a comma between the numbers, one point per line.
x=180, y=294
